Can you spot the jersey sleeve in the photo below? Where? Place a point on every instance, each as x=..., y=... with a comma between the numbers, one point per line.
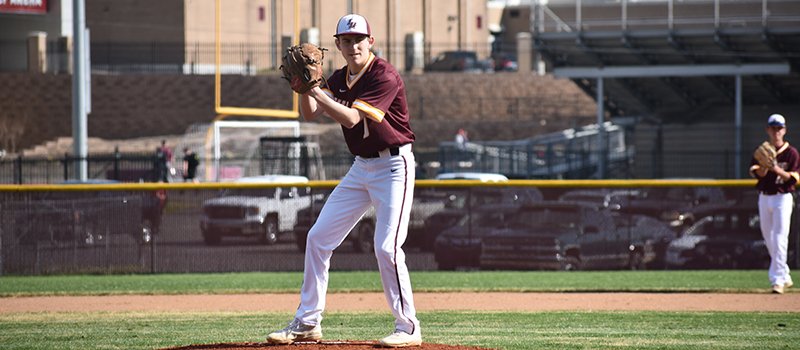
x=378, y=96
x=753, y=167
x=793, y=165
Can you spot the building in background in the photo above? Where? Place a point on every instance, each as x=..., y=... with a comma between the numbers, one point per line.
x=178, y=35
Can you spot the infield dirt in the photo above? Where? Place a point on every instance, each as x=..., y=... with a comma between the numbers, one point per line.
x=344, y=302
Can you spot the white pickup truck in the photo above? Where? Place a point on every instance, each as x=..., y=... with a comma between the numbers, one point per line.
x=262, y=213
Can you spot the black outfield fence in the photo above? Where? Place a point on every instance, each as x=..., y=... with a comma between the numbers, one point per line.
x=515, y=162
x=523, y=225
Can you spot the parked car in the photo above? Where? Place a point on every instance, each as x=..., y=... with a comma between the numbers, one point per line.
x=459, y=61
x=262, y=213
x=674, y=205
x=618, y=201
x=569, y=236
x=462, y=201
x=724, y=237
x=460, y=245
x=361, y=237
x=613, y=199
x=426, y=203
x=505, y=63
x=152, y=207
x=86, y=218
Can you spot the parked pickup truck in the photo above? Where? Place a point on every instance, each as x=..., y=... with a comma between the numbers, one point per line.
x=262, y=213
x=572, y=236
x=426, y=203
x=88, y=217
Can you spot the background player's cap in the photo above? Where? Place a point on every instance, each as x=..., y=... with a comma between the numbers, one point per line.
x=776, y=120
x=353, y=24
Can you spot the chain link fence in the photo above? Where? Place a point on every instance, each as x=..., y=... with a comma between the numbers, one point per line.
x=169, y=228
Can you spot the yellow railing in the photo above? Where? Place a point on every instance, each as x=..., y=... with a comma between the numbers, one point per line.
x=419, y=183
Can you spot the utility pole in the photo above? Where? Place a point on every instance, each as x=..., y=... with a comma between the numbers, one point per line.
x=79, y=89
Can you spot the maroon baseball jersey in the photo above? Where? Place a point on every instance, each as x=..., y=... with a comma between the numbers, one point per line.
x=378, y=91
x=789, y=160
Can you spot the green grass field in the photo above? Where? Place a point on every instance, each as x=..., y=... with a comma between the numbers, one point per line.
x=502, y=330
x=289, y=282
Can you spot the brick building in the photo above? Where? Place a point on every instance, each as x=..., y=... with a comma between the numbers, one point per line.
x=264, y=25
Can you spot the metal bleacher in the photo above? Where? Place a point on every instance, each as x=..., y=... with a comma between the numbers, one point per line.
x=656, y=34
x=567, y=154
x=725, y=64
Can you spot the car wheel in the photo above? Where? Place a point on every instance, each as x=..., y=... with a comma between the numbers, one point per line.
x=269, y=233
x=636, y=260
x=365, y=236
x=211, y=237
x=147, y=232
x=571, y=263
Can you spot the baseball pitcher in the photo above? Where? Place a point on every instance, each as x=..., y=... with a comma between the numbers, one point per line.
x=367, y=97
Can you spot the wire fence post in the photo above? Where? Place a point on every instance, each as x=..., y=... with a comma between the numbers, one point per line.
x=66, y=166
x=2, y=232
x=117, y=157
x=18, y=170
x=153, y=250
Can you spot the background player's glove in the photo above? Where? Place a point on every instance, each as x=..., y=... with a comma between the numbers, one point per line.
x=765, y=155
x=302, y=67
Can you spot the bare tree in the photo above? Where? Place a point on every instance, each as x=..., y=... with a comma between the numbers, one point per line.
x=12, y=127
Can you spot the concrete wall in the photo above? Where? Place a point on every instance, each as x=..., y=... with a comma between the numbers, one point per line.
x=489, y=106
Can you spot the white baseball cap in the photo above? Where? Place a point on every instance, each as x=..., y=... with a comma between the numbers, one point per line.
x=776, y=120
x=353, y=24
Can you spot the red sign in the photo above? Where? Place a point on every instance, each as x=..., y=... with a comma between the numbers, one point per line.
x=23, y=6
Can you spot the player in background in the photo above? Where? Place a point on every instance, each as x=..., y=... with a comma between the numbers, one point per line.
x=190, y=163
x=367, y=97
x=776, y=186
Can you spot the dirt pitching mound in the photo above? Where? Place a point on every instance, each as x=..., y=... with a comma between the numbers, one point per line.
x=328, y=345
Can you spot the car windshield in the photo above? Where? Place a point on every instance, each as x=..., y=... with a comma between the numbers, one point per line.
x=726, y=225
x=672, y=193
x=486, y=219
x=546, y=218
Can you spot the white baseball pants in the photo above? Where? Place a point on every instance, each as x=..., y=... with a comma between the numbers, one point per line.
x=387, y=183
x=775, y=214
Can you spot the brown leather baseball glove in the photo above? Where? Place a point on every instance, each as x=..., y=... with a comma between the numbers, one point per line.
x=302, y=67
x=765, y=155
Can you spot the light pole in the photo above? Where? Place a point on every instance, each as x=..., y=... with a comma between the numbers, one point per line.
x=79, y=88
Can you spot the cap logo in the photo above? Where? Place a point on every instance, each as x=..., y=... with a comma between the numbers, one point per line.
x=351, y=24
